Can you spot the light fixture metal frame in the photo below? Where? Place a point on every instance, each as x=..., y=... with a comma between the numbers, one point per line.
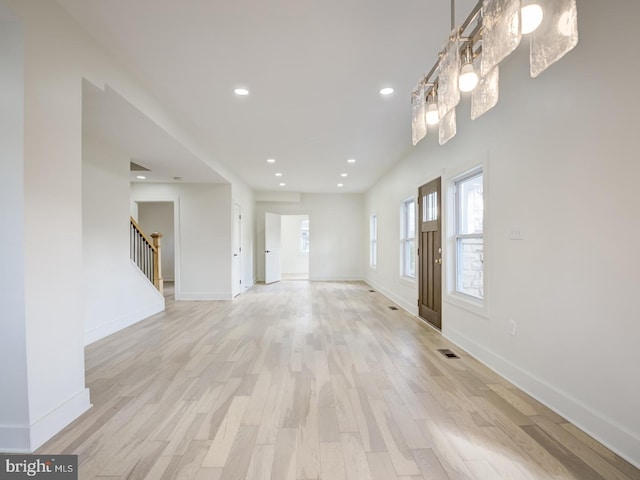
x=473, y=39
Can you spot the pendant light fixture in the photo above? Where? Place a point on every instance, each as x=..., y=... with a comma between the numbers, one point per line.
x=489, y=34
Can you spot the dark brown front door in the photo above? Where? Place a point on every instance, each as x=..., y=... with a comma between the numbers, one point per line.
x=430, y=253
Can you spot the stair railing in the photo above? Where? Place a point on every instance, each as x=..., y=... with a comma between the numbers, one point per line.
x=145, y=253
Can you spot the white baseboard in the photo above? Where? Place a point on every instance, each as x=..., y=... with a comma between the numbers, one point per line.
x=614, y=436
x=45, y=428
x=412, y=309
x=27, y=439
x=209, y=296
x=334, y=279
x=124, y=321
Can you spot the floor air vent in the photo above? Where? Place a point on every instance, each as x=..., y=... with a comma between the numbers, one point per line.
x=447, y=353
x=393, y=308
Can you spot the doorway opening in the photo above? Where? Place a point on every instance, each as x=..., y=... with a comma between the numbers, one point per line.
x=294, y=235
x=287, y=247
x=159, y=217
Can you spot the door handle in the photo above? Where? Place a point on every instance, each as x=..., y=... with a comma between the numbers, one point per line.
x=235, y=254
x=267, y=251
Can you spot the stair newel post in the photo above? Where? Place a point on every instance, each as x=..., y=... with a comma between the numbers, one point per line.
x=157, y=266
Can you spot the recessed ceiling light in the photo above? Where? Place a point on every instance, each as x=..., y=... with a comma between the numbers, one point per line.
x=386, y=91
x=271, y=160
x=341, y=184
x=278, y=174
x=351, y=160
x=344, y=174
x=141, y=177
x=241, y=91
x=283, y=184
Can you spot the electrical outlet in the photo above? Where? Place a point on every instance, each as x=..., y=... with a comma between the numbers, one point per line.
x=512, y=328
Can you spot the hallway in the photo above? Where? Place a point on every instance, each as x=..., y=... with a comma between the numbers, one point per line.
x=304, y=380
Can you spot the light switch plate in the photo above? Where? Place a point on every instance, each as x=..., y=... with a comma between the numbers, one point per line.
x=515, y=232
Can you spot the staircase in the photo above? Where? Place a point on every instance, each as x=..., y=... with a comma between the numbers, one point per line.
x=145, y=253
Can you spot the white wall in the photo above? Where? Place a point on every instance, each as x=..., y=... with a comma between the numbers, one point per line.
x=52, y=235
x=560, y=152
x=294, y=261
x=158, y=217
x=116, y=293
x=58, y=54
x=14, y=407
x=335, y=236
x=204, y=219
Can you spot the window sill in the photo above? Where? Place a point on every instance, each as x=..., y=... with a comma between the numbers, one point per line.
x=407, y=280
x=470, y=304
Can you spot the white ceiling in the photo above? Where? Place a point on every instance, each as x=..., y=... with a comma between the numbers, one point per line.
x=314, y=70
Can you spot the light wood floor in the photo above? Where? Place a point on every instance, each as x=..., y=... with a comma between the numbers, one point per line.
x=303, y=380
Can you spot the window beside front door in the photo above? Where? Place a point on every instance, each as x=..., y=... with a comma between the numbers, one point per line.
x=469, y=239
x=408, y=238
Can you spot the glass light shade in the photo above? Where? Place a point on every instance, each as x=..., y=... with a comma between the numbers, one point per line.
x=448, y=87
x=432, y=114
x=500, y=31
x=468, y=79
x=447, y=128
x=532, y=16
x=418, y=114
x=485, y=96
x=556, y=36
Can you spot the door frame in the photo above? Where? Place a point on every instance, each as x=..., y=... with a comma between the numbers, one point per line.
x=430, y=256
x=236, y=271
x=275, y=251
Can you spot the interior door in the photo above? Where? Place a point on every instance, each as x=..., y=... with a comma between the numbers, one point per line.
x=236, y=262
x=272, y=267
x=430, y=253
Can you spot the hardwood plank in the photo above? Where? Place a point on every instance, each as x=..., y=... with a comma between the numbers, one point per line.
x=355, y=457
x=369, y=432
x=573, y=463
x=261, y=462
x=239, y=457
x=408, y=427
x=332, y=461
x=401, y=457
x=481, y=469
x=615, y=460
x=429, y=465
x=344, y=409
x=222, y=442
x=284, y=461
x=328, y=430
x=580, y=450
x=381, y=466
x=308, y=461
x=334, y=385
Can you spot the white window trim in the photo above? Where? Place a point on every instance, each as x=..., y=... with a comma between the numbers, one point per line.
x=302, y=251
x=411, y=280
x=474, y=305
x=373, y=240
